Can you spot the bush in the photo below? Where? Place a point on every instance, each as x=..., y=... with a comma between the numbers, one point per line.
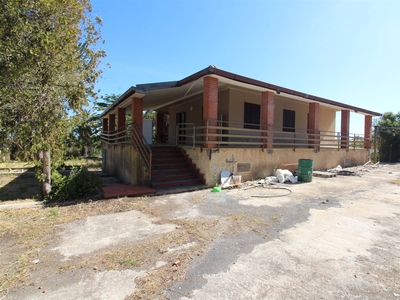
x=79, y=184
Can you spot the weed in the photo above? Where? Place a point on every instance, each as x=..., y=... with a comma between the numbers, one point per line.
x=80, y=184
x=54, y=212
x=130, y=262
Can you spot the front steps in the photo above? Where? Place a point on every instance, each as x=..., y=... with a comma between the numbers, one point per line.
x=171, y=169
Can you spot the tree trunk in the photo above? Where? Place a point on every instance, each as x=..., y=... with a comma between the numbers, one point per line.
x=46, y=169
x=40, y=159
x=84, y=151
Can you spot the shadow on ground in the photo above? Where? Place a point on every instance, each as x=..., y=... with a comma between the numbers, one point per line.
x=18, y=186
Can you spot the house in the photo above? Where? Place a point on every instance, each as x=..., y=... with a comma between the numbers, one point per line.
x=215, y=120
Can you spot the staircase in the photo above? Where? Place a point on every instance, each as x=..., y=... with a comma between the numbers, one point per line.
x=172, y=168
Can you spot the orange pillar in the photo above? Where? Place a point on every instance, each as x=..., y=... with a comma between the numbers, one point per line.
x=210, y=109
x=345, y=128
x=367, y=132
x=267, y=116
x=137, y=112
x=313, y=125
x=121, y=123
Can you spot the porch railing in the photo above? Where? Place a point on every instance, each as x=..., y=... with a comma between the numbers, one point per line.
x=225, y=134
x=131, y=134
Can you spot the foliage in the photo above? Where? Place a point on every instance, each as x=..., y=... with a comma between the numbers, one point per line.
x=388, y=128
x=79, y=184
x=149, y=114
x=84, y=136
x=106, y=101
x=49, y=64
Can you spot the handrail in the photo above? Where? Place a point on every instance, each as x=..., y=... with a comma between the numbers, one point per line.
x=142, y=147
x=230, y=133
x=131, y=133
x=183, y=135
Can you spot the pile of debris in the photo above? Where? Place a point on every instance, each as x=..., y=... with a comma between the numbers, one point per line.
x=353, y=171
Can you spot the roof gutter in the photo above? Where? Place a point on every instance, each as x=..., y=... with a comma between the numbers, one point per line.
x=212, y=70
x=131, y=91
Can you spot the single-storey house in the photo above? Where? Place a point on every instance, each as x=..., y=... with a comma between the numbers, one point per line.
x=215, y=120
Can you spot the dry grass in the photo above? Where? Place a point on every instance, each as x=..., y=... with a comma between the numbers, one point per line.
x=177, y=249
x=16, y=165
x=23, y=232
x=396, y=181
x=18, y=188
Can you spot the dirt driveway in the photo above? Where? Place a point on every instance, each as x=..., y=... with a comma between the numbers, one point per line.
x=332, y=238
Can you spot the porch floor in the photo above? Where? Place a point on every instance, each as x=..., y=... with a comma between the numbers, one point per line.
x=129, y=190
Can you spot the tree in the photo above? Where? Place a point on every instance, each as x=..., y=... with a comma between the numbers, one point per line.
x=388, y=128
x=106, y=101
x=49, y=63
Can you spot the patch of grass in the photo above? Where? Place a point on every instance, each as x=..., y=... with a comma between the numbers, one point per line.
x=396, y=181
x=54, y=212
x=129, y=262
x=16, y=165
x=90, y=163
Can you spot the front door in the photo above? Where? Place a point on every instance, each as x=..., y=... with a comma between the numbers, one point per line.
x=180, y=120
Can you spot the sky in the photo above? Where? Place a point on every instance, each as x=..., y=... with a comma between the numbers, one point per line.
x=346, y=51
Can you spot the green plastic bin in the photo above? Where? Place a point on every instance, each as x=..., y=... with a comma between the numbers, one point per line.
x=305, y=170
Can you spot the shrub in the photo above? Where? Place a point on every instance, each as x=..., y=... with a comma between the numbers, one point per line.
x=79, y=184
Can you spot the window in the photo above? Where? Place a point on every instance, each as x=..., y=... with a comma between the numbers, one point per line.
x=289, y=120
x=251, y=116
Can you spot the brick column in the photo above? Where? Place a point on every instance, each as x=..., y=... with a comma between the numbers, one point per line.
x=105, y=128
x=313, y=125
x=210, y=109
x=121, y=123
x=367, y=132
x=137, y=112
x=112, y=127
x=344, y=140
x=267, y=116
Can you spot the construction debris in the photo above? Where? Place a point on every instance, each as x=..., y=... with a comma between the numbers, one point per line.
x=324, y=174
x=284, y=175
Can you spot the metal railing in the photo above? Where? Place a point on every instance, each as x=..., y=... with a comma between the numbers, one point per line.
x=225, y=134
x=186, y=132
x=131, y=134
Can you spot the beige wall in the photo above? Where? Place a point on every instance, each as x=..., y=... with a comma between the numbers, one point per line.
x=193, y=115
x=265, y=163
x=239, y=97
x=231, y=104
x=123, y=162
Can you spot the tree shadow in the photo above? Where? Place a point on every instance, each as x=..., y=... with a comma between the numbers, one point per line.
x=18, y=186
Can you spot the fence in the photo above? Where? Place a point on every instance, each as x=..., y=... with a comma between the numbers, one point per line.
x=224, y=134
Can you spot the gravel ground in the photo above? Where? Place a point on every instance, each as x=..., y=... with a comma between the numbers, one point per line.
x=332, y=238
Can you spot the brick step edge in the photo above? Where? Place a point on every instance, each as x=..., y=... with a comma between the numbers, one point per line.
x=176, y=183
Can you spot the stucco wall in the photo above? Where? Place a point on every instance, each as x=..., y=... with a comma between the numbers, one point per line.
x=193, y=109
x=239, y=97
x=265, y=163
x=123, y=162
x=231, y=107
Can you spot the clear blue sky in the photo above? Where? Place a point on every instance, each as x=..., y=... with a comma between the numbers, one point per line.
x=347, y=51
